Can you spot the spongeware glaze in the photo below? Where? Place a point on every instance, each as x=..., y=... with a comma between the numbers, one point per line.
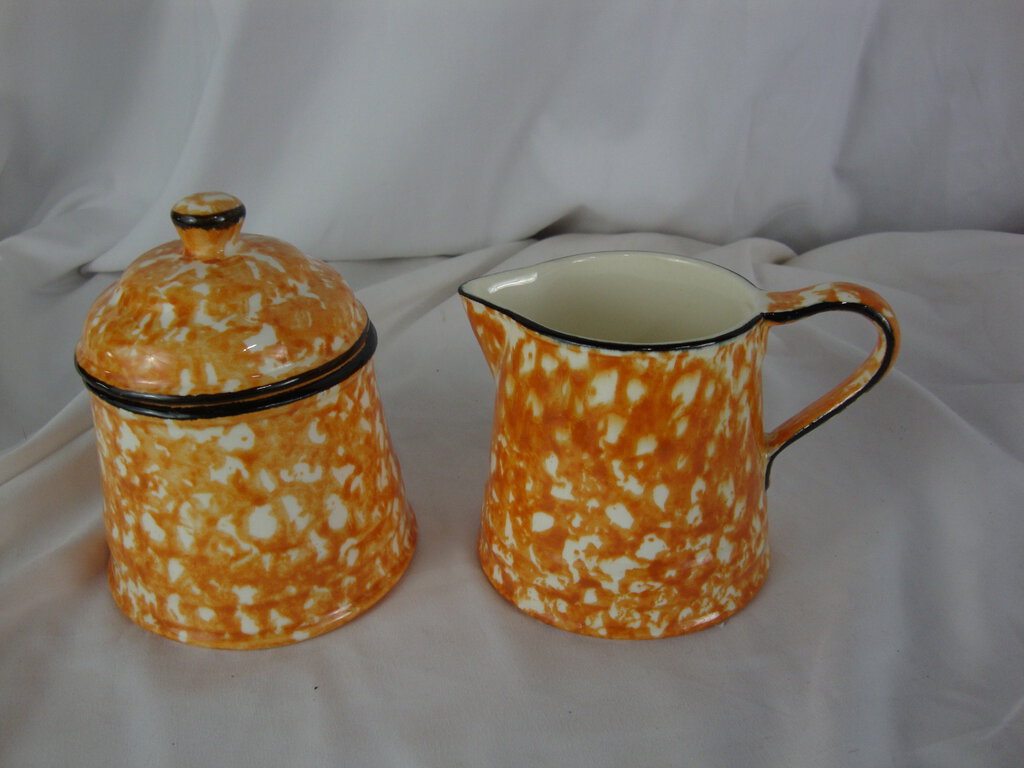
x=629, y=460
x=615, y=506
x=248, y=533
x=187, y=326
x=251, y=493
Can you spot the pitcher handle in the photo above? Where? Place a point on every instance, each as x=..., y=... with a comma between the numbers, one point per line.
x=790, y=306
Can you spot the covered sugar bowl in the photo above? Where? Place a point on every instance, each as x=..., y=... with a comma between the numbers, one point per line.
x=252, y=497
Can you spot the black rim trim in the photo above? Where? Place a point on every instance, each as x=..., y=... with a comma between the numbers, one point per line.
x=222, y=220
x=621, y=346
x=222, y=404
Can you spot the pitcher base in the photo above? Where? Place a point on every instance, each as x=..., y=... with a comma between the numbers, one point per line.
x=626, y=617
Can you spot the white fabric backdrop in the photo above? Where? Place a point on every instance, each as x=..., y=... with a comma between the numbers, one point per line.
x=890, y=631
x=407, y=128
x=785, y=139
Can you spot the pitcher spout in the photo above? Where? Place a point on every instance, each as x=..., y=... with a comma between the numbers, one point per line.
x=489, y=328
x=498, y=306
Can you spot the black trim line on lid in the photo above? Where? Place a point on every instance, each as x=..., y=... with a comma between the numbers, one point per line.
x=221, y=220
x=220, y=404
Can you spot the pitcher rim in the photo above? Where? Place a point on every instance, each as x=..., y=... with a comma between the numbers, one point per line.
x=619, y=346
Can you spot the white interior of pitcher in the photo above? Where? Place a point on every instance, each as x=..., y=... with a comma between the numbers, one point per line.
x=625, y=297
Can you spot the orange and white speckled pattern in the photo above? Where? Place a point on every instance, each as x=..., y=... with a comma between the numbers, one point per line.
x=186, y=326
x=614, y=506
x=255, y=530
x=269, y=525
x=627, y=492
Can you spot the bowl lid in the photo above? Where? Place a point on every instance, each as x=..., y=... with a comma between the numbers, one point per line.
x=220, y=322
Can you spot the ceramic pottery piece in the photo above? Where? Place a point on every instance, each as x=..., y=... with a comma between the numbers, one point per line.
x=629, y=463
x=251, y=494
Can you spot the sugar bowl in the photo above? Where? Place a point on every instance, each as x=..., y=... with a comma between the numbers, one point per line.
x=252, y=496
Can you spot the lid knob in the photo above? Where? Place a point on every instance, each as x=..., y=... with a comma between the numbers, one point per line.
x=207, y=222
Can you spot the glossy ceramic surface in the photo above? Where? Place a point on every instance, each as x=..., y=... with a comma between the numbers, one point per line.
x=251, y=494
x=629, y=464
x=239, y=312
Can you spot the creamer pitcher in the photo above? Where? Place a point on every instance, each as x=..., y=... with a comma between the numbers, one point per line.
x=629, y=462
